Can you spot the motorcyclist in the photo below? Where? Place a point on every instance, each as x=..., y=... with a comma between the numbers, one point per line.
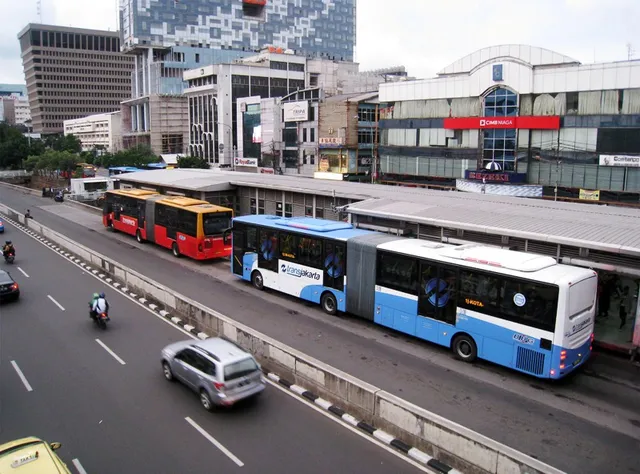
x=100, y=305
x=8, y=248
x=94, y=298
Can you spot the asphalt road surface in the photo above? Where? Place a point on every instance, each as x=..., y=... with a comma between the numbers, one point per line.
x=102, y=394
x=585, y=424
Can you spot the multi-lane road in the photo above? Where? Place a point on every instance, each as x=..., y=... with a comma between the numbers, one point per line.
x=585, y=424
x=102, y=393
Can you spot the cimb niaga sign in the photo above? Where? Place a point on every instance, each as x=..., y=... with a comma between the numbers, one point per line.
x=530, y=123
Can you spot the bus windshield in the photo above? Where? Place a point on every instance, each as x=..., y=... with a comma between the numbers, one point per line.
x=216, y=223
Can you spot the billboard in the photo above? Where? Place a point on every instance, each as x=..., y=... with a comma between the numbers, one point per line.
x=296, y=111
x=620, y=160
x=530, y=123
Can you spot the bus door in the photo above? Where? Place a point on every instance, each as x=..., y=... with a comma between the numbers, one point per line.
x=239, y=237
x=141, y=214
x=334, y=264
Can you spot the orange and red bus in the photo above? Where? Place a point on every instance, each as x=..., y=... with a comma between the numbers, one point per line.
x=189, y=227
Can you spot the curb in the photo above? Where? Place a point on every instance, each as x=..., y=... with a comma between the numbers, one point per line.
x=380, y=435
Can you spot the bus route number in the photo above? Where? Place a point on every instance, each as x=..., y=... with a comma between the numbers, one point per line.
x=471, y=302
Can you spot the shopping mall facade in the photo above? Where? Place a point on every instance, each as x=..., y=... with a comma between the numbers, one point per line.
x=535, y=119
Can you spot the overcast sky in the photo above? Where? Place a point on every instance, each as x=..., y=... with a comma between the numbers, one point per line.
x=423, y=35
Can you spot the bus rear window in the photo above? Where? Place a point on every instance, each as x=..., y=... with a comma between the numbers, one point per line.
x=216, y=223
x=582, y=296
x=240, y=369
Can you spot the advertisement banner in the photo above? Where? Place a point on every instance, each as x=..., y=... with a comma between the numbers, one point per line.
x=587, y=195
x=529, y=123
x=620, y=160
x=252, y=162
x=490, y=177
x=330, y=142
x=296, y=111
x=257, y=134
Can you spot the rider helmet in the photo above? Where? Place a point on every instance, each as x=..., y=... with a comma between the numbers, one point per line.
x=102, y=295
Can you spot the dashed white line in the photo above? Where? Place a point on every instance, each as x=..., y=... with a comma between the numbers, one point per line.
x=78, y=466
x=113, y=354
x=21, y=375
x=215, y=442
x=23, y=272
x=56, y=303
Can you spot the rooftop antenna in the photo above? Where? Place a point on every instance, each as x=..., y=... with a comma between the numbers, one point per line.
x=39, y=10
x=630, y=51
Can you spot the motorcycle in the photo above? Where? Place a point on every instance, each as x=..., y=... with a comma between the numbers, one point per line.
x=100, y=319
x=9, y=257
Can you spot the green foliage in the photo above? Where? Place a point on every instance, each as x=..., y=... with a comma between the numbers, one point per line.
x=138, y=156
x=52, y=161
x=14, y=147
x=68, y=143
x=192, y=162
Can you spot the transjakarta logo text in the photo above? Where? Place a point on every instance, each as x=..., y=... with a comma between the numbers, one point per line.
x=490, y=123
x=299, y=272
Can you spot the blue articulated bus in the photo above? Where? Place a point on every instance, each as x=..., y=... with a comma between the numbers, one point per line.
x=517, y=309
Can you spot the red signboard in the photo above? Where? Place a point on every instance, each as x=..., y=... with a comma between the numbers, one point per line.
x=531, y=123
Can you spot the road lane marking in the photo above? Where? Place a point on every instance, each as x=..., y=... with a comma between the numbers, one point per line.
x=160, y=315
x=22, y=377
x=113, y=354
x=56, y=303
x=214, y=441
x=23, y=272
x=78, y=466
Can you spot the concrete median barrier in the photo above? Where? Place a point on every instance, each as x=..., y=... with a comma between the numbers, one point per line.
x=461, y=448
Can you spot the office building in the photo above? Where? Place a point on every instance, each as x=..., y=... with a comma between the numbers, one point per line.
x=536, y=119
x=14, y=104
x=71, y=73
x=168, y=37
x=215, y=92
x=100, y=132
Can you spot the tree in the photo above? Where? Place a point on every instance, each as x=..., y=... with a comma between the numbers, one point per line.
x=192, y=162
x=14, y=147
x=52, y=161
x=69, y=143
x=139, y=156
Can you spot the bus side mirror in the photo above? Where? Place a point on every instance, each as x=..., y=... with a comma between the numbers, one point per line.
x=226, y=236
x=55, y=446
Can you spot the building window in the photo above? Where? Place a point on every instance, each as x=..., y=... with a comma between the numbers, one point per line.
x=499, y=149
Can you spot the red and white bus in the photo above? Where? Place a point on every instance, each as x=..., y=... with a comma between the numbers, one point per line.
x=189, y=227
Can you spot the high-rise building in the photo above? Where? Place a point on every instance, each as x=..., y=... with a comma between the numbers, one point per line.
x=14, y=106
x=168, y=37
x=72, y=73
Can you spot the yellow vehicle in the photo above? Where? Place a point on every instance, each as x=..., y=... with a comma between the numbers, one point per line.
x=31, y=456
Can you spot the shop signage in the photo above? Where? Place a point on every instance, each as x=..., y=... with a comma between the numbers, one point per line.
x=328, y=142
x=587, y=195
x=267, y=171
x=296, y=111
x=489, y=177
x=530, y=123
x=253, y=162
x=620, y=160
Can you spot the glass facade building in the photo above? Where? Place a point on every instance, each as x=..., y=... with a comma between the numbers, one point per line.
x=324, y=28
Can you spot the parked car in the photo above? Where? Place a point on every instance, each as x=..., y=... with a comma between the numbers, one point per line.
x=31, y=455
x=9, y=288
x=220, y=371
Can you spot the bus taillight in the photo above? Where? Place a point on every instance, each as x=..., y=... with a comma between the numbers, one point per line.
x=200, y=248
x=563, y=356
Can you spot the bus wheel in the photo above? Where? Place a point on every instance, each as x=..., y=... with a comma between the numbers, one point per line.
x=256, y=279
x=175, y=250
x=139, y=237
x=329, y=303
x=464, y=348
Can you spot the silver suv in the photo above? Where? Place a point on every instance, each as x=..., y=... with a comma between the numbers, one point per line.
x=220, y=371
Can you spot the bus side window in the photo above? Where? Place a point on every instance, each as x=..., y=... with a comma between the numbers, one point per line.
x=288, y=246
x=268, y=251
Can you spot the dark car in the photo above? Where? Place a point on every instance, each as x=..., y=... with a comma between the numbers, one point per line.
x=9, y=289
